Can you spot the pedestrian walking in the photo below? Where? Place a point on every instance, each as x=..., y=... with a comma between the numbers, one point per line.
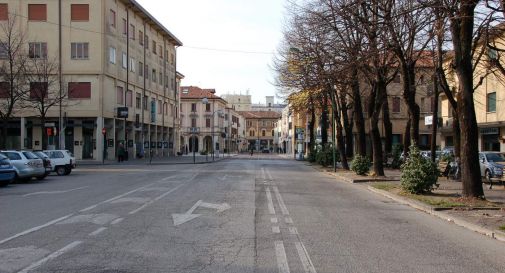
x=121, y=153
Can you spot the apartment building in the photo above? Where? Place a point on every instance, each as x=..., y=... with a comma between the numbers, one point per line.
x=118, y=69
x=207, y=118
x=260, y=129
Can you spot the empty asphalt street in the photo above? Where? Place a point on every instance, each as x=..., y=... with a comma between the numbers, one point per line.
x=245, y=214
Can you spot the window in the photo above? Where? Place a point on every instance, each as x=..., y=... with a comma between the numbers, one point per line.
x=124, y=61
x=492, y=54
x=132, y=32
x=146, y=41
x=4, y=90
x=132, y=65
x=193, y=107
x=159, y=107
x=79, y=90
x=37, y=50
x=141, y=37
x=207, y=122
x=112, y=18
x=145, y=102
x=146, y=72
x=141, y=69
x=112, y=55
x=491, y=102
x=160, y=51
x=396, y=105
x=154, y=47
x=165, y=108
x=37, y=12
x=125, y=27
x=79, y=51
x=129, y=98
x=193, y=122
x=154, y=75
x=3, y=51
x=263, y=133
x=207, y=107
x=79, y=12
x=273, y=133
x=160, y=78
x=138, y=100
x=4, y=12
x=119, y=95
x=251, y=133
x=172, y=60
x=38, y=90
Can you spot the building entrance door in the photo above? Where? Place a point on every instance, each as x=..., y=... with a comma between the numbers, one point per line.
x=69, y=139
x=87, y=147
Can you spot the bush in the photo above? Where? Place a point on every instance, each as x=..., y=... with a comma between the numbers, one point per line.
x=419, y=174
x=324, y=156
x=360, y=165
x=312, y=156
x=203, y=153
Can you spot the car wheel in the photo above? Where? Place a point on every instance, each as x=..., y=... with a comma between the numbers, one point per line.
x=60, y=170
x=68, y=171
x=487, y=177
x=4, y=183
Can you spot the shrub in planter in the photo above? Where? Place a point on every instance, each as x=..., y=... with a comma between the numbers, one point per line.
x=419, y=174
x=324, y=157
x=360, y=165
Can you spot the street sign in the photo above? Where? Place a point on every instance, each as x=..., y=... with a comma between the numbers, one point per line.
x=122, y=112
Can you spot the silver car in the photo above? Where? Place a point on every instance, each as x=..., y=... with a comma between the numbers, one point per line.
x=27, y=165
x=491, y=165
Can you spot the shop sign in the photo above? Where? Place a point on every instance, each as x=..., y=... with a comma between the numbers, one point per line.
x=428, y=120
x=122, y=112
x=490, y=131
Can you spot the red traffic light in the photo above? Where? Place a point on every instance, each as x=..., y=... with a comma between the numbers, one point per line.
x=49, y=131
x=104, y=131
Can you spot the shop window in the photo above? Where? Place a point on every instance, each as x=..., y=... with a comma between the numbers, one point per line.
x=491, y=102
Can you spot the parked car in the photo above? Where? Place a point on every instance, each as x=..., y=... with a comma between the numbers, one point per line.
x=46, y=160
x=27, y=165
x=62, y=161
x=491, y=165
x=7, y=171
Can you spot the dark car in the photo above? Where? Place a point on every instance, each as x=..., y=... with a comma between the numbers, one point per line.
x=45, y=160
x=7, y=171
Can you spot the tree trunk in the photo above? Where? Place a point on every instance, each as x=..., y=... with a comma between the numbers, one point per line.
x=388, y=128
x=409, y=96
x=44, y=132
x=347, y=126
x=406, y=138
x=435, y=120
x=377, y=157
x=358, y=115
x=312, y=141
x=324, y=121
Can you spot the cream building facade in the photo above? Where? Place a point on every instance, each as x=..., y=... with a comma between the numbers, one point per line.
x=115, y=57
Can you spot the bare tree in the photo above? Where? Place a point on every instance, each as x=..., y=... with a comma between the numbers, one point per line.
x=13, y=58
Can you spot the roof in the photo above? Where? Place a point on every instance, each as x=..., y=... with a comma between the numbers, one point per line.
x=136, y=6
x=260, y=114
x=195, y=92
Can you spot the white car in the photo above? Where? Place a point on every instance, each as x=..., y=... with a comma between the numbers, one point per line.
x=62, y=161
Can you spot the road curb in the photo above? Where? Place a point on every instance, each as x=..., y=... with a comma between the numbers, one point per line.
x=495, y=234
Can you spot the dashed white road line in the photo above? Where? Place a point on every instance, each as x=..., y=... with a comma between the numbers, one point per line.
x=282, y=205
x=35, y=228
x=51, y=256
x=282, y=260
x=155, y=199
x=98, y=231
x=117, y=221
x=271, y=208
x=274, y=220
x=276, y=229
x=288, y=220
x=308, y=266
x=269, y=175
x=263, y=175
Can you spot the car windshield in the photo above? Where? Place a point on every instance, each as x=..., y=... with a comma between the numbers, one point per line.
x=30, y=155
x=12, y=155
x=495, y=157
x=40, y=154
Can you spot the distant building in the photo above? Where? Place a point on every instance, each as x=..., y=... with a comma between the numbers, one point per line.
x=261, y=129
x=269, y=105
x=239, y=102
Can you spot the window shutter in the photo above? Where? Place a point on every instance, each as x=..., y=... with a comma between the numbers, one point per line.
x=4, y=12
x=79, y=12
x=37, y=12
x=79, y=90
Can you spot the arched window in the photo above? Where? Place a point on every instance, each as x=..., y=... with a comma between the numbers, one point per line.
x=263, y=133
x=251, y=133
x=273, y=132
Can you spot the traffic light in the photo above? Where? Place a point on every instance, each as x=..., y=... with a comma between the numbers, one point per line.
x=49, y=131
x=104, y=131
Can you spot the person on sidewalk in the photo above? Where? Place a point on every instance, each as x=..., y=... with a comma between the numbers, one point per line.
x=120, y=153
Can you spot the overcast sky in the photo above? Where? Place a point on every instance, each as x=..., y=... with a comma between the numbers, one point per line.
x=233, y=27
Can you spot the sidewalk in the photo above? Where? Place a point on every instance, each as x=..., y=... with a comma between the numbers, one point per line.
x=184, y=159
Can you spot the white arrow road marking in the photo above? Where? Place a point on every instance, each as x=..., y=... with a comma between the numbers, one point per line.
x=53, y=192
x=51, y=256
x=181, y=218
x=308, y=266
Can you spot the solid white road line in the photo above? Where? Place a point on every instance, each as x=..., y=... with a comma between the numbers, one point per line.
x=269, y=175
x=276, y=229
x=308, y=266
x=288, y=220
x=274, y=220
x=155, y=199
x=263, y=176
x=53, y=192
x=293, y=230
x=282, y=260
x=98, y=231
x=117, y=221
x=270, y=203
x=284, y=209
x=35, y=228
x=51, y=256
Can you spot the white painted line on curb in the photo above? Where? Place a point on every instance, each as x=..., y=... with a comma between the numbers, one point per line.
x=282, y=260
x=98, y=231
x=117, y=221
x=288, y=220
x=51, y=256
x=270, y=203
x=274, y=220
x=304, y=258
x=293, y=230
x=276, y=229
x=35, y=228
x=155, y=199
x=284, y=209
